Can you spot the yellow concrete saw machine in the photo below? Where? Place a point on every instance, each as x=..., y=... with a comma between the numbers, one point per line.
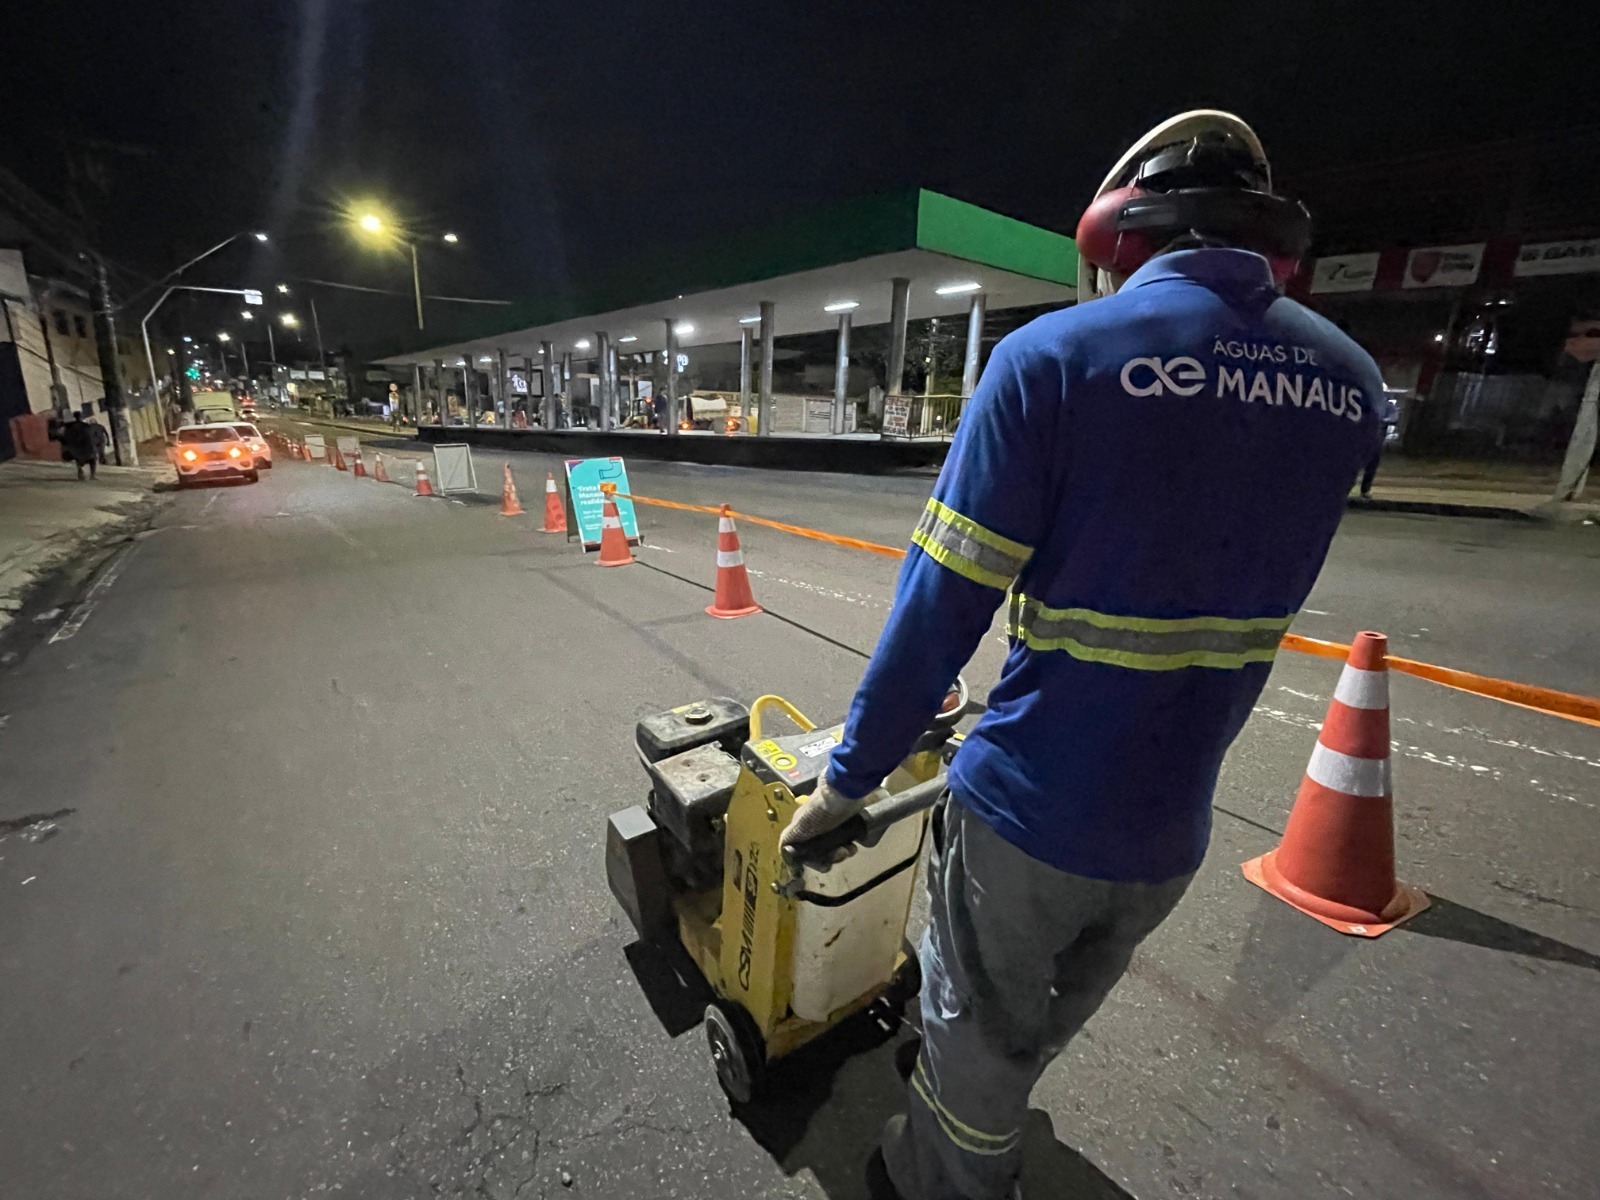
x=790, y=944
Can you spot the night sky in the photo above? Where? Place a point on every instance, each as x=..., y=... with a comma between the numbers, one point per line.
x=559, y=140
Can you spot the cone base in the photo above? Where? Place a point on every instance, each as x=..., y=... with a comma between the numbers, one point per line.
x=1406, y=902
x=561, y=530
x=616, y=562
x=728, y=614
x=514, y=512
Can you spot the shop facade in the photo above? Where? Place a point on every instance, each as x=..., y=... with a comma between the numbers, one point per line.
x=1487, y=344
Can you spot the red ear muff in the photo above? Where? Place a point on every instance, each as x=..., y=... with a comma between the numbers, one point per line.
x=1125, y=228
x=1106, y=246
x=1283, y=267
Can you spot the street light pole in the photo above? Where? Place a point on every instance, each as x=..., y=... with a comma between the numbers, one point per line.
x=322, y=355
x=144, y=325
x=416, y=281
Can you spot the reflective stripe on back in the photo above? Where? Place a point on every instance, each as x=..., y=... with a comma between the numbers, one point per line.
x=1146, y=643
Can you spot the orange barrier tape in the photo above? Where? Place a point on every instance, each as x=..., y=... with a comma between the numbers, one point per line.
x=1584, y=709
x=815, y=535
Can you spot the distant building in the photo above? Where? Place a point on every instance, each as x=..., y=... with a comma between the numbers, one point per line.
x=49, y=362
x=1473, y=276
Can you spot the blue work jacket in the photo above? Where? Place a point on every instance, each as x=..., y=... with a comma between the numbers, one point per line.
x=1150, y=481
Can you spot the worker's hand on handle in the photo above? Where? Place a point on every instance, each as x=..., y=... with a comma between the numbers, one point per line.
x=825, y=809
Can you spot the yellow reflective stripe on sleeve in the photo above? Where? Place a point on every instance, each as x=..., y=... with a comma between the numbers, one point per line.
x=1146, y=643
x=973, y=530
x=974, y=1141
x=967, y=548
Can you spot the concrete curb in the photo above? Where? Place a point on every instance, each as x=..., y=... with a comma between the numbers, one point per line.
x=1444, y=508
x=780, y=452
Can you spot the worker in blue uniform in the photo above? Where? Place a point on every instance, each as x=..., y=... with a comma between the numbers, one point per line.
x=1154, y=478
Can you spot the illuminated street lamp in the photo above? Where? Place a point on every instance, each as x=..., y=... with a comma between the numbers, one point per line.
x=371, y=220
x=290, y=321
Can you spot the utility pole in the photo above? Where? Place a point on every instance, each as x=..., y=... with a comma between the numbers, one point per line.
x=416, y=282
x=322, y=355
x=105, y=339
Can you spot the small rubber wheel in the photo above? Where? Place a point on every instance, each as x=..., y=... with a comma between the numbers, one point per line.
x=736, y=1050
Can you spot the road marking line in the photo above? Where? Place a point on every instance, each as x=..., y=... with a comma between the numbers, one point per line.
x=86, y=606
x=1421, y=754
x=861, y=599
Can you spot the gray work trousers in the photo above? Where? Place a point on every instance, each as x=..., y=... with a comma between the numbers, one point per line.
x=1016, y=957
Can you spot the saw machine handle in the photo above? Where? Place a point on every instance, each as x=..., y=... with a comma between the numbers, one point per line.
x=819, y=851
x=805, y=723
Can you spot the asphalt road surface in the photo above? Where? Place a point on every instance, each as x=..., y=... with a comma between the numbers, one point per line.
x=325, y=910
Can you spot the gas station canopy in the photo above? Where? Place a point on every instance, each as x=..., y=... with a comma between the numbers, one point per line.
x=811, y=270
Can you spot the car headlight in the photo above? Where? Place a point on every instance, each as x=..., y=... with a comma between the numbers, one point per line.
x=233, y=452
x=189, y=456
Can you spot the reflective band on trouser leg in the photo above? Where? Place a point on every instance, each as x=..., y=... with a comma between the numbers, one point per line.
x=1348, y=774
x=1146, y=643
x=967, y=548
x=974, y=1141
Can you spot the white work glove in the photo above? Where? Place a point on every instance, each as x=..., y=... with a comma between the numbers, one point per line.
x=826, y=808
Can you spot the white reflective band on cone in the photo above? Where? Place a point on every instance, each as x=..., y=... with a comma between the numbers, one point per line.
x=724, y=524
x=1348, y=774
x=549, y=485
x=610, y=523
x=1362, y=689
x=730, y=558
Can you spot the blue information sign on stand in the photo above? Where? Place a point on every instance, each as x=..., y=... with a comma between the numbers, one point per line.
x=584, y=477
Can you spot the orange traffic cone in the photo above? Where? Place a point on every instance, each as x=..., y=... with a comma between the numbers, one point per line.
x=510, y=506
x=614, y=550
x=732, y=597
x=357, y=467
x=305, y=451
x=1336, y=860
x=424, y=487
x=338, y=459
x=378, y=471
x=555, y=513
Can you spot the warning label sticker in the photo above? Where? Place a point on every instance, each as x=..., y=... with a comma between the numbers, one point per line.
x=822, y=746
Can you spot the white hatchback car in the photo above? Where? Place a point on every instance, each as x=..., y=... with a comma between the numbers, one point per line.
x=212, y=452
x=259, y=446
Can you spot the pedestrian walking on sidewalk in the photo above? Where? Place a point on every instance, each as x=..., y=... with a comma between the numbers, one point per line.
x=102, y=441
x=78, y=444
x=1143, y=619
x=1388, y=413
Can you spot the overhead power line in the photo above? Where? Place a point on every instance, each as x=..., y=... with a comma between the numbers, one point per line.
x=352, y=287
